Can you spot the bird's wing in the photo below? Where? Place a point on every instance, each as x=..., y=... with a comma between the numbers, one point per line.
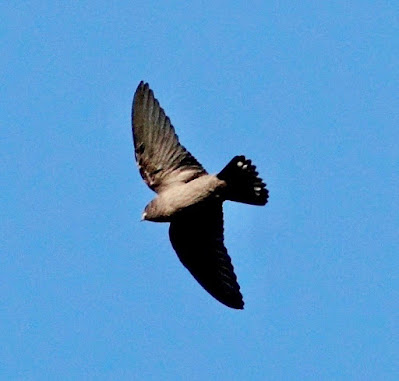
x=162, y=160
x=196, y=234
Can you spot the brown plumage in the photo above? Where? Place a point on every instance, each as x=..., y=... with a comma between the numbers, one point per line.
x=191, y=199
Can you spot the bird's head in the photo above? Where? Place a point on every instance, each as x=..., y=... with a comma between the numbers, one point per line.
x=144, y=216
x=152, y=212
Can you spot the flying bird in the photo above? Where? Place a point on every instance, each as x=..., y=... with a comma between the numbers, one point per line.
x=190, y=198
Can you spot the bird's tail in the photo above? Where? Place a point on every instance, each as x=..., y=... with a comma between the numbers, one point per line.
x=243, y=183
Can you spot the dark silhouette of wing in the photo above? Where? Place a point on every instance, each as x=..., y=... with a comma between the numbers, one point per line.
x=196, y=234
x=162, y=160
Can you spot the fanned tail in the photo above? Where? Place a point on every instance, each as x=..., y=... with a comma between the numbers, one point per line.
x=243, y=183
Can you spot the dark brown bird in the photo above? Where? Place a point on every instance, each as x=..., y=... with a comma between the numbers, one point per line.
x=191, y=199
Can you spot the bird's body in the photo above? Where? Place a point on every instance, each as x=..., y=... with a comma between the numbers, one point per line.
x=191, y=199
x=181, y=195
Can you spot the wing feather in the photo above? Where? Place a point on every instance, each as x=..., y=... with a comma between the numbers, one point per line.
x=161, y=158
x=197, y=237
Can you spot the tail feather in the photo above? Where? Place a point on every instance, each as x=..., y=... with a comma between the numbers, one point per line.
x=243, y=183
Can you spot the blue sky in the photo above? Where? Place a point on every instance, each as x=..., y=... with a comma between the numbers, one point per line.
x=307, y=90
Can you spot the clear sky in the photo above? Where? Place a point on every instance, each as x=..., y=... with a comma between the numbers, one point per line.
x=308, y=90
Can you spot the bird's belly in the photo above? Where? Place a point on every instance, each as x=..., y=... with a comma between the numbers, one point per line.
x=181, y=196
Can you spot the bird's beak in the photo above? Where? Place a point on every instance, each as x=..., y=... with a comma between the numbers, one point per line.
x=143, y=216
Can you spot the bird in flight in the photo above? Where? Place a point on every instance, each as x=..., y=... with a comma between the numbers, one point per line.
x=190, y=198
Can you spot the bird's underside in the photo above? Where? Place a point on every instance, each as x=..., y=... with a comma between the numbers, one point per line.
x=196, y=230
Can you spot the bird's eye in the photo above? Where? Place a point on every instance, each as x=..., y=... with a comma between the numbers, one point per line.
x=140, y=149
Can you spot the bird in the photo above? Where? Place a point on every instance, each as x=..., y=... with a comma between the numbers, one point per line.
x=191, y=199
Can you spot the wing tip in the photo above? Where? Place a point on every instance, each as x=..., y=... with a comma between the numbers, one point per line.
x=143, y=86
x=237, y=304
x=141, y=95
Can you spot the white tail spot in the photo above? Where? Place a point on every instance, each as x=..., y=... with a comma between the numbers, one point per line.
x=257, y=189
x=239, y=163
x=244, y=166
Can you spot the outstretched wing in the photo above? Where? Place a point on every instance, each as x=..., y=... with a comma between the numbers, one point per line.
x=162, y=160
x=197, y=237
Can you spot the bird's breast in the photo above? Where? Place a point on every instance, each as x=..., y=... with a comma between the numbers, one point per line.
x=180, y=196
